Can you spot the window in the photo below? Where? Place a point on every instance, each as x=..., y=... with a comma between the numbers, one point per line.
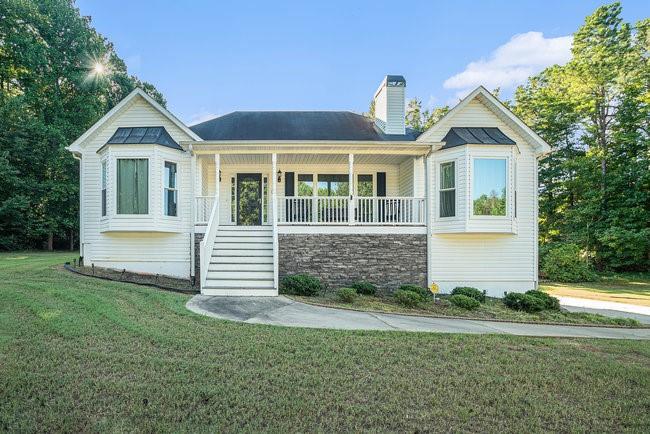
x=265, y=199
x=333, y=185
x=364, y=186
x=133, y=186
x=233, y=200
x=448, y=189
x=170, y=192
x=306, y=185
x=104, y=184
x=489, y=187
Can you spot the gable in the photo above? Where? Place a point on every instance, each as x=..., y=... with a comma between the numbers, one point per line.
x=136, y=105
x=482, y=110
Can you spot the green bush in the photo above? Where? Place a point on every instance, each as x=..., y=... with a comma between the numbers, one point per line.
x=346, y=295
x=300, y=284
x=550, y=303
x=408, y=298
x=526, y=302
x=564, y=264
x=423, y=292
x=464, y=301
x=469, y=292
x=365, y=288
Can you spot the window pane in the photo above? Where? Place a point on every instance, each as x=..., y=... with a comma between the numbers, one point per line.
x=265, y=199
x=132, y=186
x=364, y=185
x=305, y=185
x=448, y=203
x=170, y=174
x=333, y=185
x=447, y=175
x=171, y=201
x=489, y=187
x=233, y=200
x=104, y=183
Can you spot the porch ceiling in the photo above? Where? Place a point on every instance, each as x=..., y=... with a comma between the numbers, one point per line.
x=339, y=159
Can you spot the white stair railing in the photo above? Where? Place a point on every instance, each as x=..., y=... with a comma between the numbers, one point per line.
x=207, y=243
x=203, y=207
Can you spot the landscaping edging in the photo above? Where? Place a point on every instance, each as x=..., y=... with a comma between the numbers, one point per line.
x=464, y=317
x=153, y=285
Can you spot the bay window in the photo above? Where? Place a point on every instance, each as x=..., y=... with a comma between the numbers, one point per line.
x=132, y=186
x=489, y=188
x=104, y=186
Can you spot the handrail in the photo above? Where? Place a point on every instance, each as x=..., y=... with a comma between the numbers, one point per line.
x=207, y=243
x=362, y=210
x=202, y=206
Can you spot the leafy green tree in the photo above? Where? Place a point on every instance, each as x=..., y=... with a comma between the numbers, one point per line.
x=595, y=188
x=49, y=95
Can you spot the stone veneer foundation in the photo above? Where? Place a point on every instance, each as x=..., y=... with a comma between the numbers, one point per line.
x=387, y=260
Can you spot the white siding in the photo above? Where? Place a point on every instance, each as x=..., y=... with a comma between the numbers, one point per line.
x=167, y=250
x=406, y=178
x=496, y=262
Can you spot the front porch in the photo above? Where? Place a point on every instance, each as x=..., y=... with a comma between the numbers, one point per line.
x=245, y=200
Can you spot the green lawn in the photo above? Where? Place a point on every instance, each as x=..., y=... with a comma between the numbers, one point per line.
x=80, y=354
x=630, y=288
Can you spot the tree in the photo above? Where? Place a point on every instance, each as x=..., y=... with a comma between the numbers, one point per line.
x=594, y=189
x=421, y=120
x=48, y=97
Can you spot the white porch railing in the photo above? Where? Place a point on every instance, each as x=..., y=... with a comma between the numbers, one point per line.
x=335, y=210
x=203, y=207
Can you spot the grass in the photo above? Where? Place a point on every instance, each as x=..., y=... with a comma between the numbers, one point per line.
x=81, y=354
x=630, y=288
x=493, y=308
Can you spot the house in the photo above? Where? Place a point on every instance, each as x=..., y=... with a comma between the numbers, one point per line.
x=241, y=200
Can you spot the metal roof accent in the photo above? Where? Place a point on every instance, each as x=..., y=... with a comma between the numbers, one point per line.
x=143, y=135
x=295, y=125
x=475, y=136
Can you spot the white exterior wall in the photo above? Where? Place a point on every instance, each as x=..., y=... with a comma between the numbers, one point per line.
x=390, y=111
x=464, y=253
x=121, y=241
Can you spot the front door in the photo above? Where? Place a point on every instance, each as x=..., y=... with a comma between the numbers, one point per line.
x=249, y=199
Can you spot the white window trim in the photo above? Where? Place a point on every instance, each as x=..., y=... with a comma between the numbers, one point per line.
x=508, y=214
x=104, y=161
x=149, y=214
x=177, y=189
x=438, y=190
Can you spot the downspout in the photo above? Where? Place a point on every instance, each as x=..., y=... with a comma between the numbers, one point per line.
x=77, y=156
x=192, y=214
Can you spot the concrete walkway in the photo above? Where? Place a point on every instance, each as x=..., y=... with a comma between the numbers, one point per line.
x=286, y=312
x=607, y=308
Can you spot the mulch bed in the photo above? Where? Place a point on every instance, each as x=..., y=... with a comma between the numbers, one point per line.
x=155, y=280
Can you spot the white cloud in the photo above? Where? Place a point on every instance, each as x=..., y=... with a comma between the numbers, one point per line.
x=201, y=116
x=512, y=63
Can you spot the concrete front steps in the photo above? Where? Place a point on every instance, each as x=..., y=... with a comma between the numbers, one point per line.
x=241, y=262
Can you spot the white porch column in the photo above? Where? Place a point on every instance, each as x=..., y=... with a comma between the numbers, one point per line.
x=428, y=210
x=193, y=211
x=351, y=187
x=274, y=208
x=217, y=181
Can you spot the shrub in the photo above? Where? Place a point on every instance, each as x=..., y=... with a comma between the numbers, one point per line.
x=408, y=298
x=564, y=264
x=346, y=295
x=464, y=301
x=365, y=288
x=469, y=292
x=550, y=303
x=300, y=284
x=526, y=302
x=422, y=292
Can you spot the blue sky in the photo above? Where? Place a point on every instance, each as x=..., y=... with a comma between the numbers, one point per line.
x=213, y=57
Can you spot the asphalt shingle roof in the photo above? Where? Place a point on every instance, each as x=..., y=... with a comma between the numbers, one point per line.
x=295, y=125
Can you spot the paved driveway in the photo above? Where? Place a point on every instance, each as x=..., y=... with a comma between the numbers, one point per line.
x=283, y=311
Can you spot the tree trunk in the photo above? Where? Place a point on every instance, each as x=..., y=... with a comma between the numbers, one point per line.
x=71, y=240
x=50, y=242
